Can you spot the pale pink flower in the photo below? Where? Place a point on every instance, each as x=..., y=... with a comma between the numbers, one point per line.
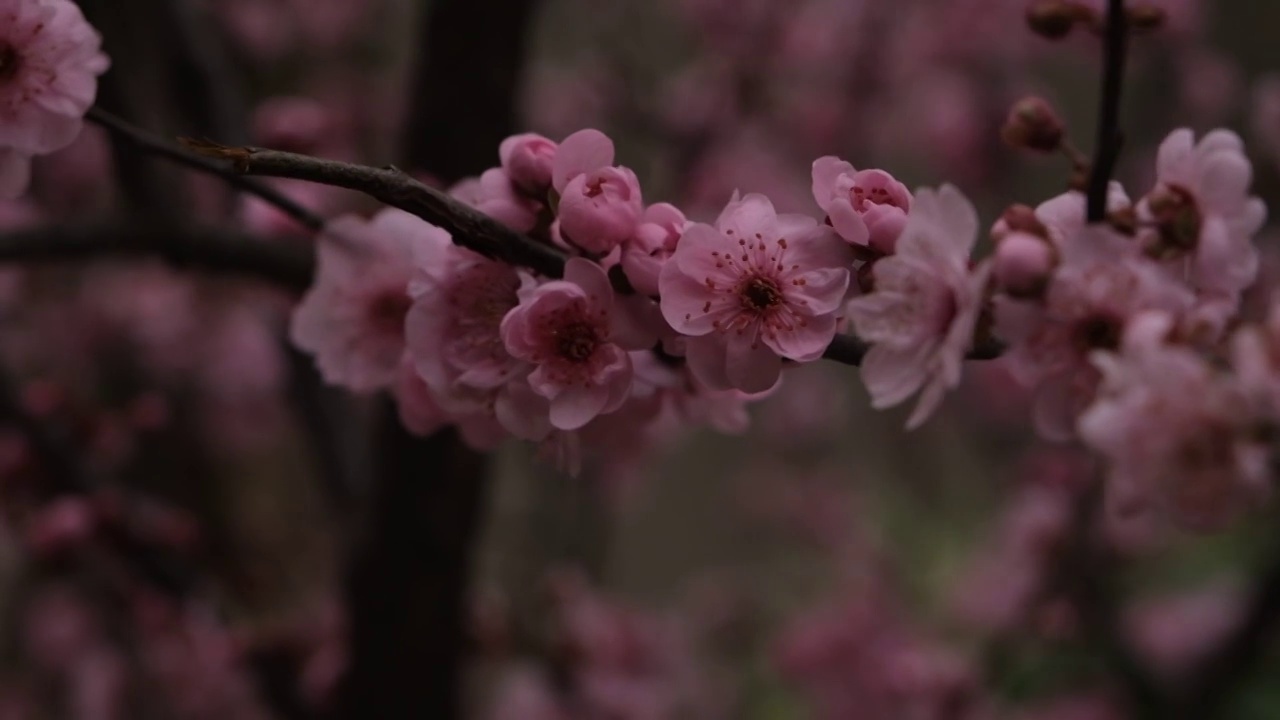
x=1205, y=218
x=453, y=337
x=1179, y=437
x=527, y=160
x=50, y=60
x=867, y=207
x=1085, y=308
x=599, y=204
x=353, y=317
x=655, y=240
x=494, y=195
x=920, y=317
x=571, y=333
x=754, y=289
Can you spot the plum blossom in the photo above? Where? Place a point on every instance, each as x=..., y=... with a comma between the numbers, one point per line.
x=527, y=160
x=654, y=241
x=494, y=195
x=866, y=207
x=50, y=60
x=1204, y=217
x=453, y=338
x=756, y=288
x=920, y=317
x=599, y=204
x=576, y=340
x=1179, y=436
x=353, y=317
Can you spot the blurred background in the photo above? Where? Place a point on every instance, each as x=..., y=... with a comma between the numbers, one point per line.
x=193, y=526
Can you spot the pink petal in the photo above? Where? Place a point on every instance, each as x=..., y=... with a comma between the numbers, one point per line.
x=826, y=173
x=822, y=293
x=749, y=365
x=747, y=216
x=685, y=303
x=804, y=343
x=693, y=256
x=591, y=278
x=891, y=375
x=581, y=152
x=848, y=222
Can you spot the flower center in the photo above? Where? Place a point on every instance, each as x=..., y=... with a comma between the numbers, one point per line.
x=1177, y=219
x=577, y=341
x=10, y=61
x=595, y=188
x=860, y=197
x=1098, y=332
x=759, y=294
x=388, y=309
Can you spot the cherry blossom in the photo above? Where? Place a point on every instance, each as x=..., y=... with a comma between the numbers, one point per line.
x=353, y=317
x=656, y=238
x=599, y=204
x=921, y=316
x=528, y=160
x=867, y=207
x=50, y=60
x=754, y=289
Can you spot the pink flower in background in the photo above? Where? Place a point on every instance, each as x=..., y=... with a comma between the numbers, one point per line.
x=1085, y=308
x=867, y=207
x=599, y=204
x=644, y=255
x=50, y=60
x=527, y=160
x=756, y=288
x=353, y=317
x=921, y=315
x=1179, y=436
x=570, y=331
x=1203, y=211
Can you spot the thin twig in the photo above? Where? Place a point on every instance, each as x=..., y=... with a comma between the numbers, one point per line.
x=207, y=249
x=1110, y=139
x=148, y=143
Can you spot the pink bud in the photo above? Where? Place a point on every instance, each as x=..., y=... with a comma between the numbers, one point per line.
x=600, y=209
x=527, y=159
x=1022, y=264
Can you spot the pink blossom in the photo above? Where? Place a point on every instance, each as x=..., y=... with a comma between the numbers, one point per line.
x=1178, y=435
x=921, y=316
x=571, y=333
x=49, y=66
x=599, y=204
x=453, y=334
x=353, y=317
x=1085, y=308
x=655, y=240
x=754, y=289
x=1205, y=219
x=867, y=207
x=1022, y=264
x=527, y=160
x=494, y=195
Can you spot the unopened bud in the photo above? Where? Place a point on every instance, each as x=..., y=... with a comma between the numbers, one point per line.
x=1032, y=124
x=1018, y=218
x=1145, y=17
x=1055, y=19
x=1023, y=263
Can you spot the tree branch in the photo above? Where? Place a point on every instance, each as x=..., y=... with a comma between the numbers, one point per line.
x=150, y=144
x=1110, y=139
x=209, y=249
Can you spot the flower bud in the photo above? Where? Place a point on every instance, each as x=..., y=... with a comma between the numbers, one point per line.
x=1055, y=19
x=1023, y=263
x=1018, y=218
x=1032, y=124
x=527, y=159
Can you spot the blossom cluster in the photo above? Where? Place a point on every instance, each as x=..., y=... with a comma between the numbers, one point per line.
x=657, y=320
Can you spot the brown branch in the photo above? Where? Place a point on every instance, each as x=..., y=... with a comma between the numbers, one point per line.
x=1110, y=139
x=207, y=249
x=148, y=143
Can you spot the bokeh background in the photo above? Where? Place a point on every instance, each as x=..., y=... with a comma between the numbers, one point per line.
x=195, y=527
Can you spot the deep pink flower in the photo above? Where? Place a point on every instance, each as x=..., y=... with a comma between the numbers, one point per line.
x=599, y=204
x=577, y=342
x=754, y=289
x=921, y=316
x=1205, y=218
x=353, y=318
x=50, y=60
x=527, y=159
x=1179, y=436
x=867, y=207
x=655, y=240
